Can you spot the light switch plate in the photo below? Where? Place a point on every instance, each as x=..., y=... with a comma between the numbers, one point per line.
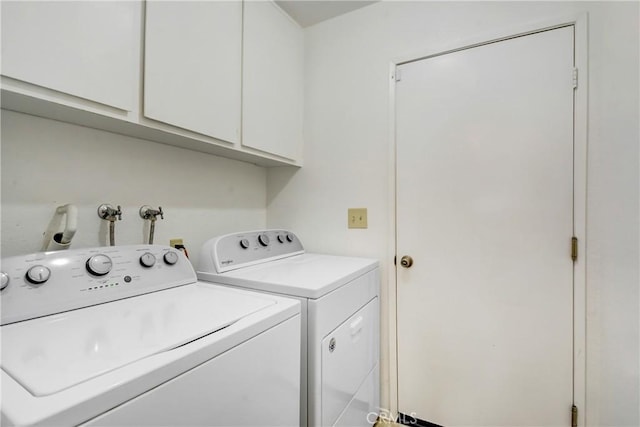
x=357, y=218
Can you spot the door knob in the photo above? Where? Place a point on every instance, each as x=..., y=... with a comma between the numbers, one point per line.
x=406, y=261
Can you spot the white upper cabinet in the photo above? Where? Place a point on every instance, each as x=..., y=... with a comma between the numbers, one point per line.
x=272, y=95
x=82, y=48
x=192, y=66
x=221, y=77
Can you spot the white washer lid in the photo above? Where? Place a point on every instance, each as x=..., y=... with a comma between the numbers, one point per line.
x=52, y=353
x=306, y=275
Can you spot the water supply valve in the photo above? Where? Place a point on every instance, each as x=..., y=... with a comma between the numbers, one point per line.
x=146, y=212
x=108, y=213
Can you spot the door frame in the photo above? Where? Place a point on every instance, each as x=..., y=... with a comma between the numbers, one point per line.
x=580, y=138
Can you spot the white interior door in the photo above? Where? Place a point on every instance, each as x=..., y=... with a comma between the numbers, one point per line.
x=485, y=209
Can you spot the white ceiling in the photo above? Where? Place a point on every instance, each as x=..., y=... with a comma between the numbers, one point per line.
x=309, y=12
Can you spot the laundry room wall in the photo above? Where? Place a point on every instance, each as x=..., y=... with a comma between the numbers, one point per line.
x=46, y=164
x=348, y=160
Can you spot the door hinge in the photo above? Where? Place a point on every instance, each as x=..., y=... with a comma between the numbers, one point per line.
x=574, y=416
x=575, y=78
x=398, y=75
x=574, y=248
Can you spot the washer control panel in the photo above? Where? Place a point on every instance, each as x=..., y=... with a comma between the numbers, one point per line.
x=46, y=283
x=238, y=250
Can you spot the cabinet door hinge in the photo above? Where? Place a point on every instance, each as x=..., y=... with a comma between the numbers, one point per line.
x=575, y=78
x=574, y=416
x=574, y=248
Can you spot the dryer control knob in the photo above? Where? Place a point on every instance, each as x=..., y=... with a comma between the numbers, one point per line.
x=5, y=280
x=99, y=265
x=38, y=274
x=290, y=237
x=244, y=244
x=263, y=239
x=281, y=238
x=170, y=257
x=147, y=259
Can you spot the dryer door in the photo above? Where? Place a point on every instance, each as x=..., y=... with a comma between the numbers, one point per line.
x=349, y=353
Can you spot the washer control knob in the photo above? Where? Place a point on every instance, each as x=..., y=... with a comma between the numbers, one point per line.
x=290, y=237
x=5, y=280
x=147, y=259
x=244, y=244
x=263, y=239
x=170, y=257
x=99, y=265
x=281, y=238
x=38, y=274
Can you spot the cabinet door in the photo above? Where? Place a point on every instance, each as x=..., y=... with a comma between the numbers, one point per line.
x=85, y=49
x=193, y=66
x=272, y=80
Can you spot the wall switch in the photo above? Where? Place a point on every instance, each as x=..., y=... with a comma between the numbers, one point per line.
x=174, y=242
x=357, y=218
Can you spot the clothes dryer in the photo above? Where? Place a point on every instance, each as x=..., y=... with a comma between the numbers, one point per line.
x=339, y=297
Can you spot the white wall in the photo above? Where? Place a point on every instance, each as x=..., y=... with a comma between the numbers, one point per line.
x=47, y=163
x=347, y=152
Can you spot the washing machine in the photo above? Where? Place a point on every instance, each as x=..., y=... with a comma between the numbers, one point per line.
x=127, y=335
x=339, y=297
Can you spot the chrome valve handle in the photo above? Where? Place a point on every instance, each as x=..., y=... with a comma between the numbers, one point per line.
x=107, y=212
x=146, y=212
